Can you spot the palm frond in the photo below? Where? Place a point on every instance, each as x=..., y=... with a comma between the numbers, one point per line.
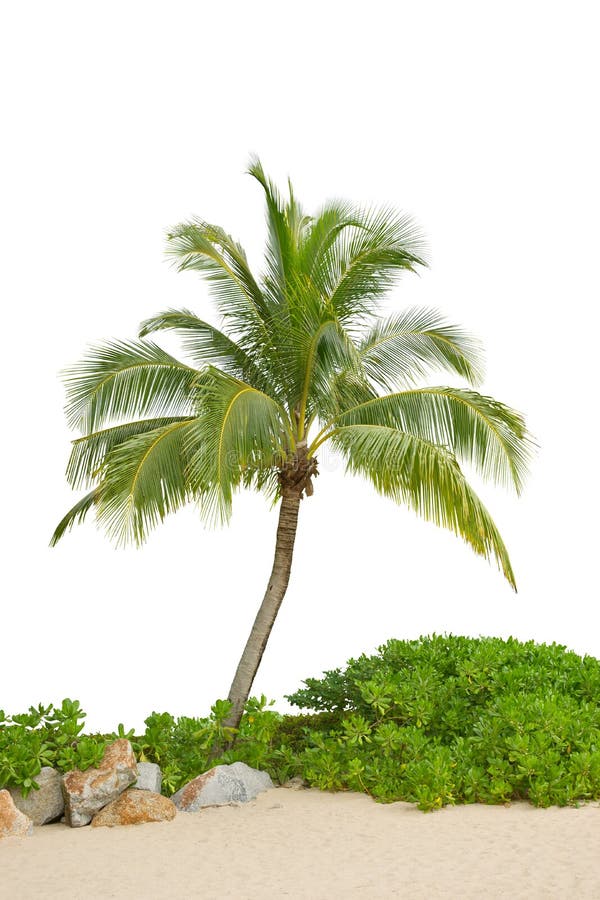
x=208, y=249
x=239, y=430
x=347, y=388
x=322, y=355
x=207, y=345
x=481, y=431
x=428, y=479
x=324, y=228
x=125, y=380
x=297, y=221
x=89, y=452
x=75, y=516
x=143, y=479
x=280, y=250
x=363, y=262
x=407, y=346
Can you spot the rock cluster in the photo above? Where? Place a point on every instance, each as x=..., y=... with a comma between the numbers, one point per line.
x=86, y=793
x=122, y=792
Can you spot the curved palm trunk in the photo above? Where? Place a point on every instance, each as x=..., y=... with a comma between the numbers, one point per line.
x=265, y=619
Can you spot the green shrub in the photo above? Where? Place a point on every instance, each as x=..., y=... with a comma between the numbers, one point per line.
x=45, y=736
x=435, y=721
x=452, y=719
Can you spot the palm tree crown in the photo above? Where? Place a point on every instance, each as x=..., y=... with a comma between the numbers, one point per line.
x=302, y=357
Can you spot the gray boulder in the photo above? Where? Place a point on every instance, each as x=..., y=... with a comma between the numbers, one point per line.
x=149, y=777
x=221, y=786
x=88, y=792
x=44, y=805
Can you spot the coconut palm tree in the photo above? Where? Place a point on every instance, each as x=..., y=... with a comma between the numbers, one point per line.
x=302, y=357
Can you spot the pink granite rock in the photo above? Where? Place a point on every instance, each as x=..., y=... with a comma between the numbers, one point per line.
x=13, y=823
x=88, y=792
x=134, y=807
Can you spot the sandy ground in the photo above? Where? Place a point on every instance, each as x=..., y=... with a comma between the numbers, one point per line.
x=315, y=846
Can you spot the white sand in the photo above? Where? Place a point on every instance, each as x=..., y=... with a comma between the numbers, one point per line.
x=315, y=846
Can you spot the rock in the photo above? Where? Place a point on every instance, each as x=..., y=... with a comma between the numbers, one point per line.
x=44, y=805
x=149, y=777
x=135, y=806
x=297, y=783
x=13, y=823
x=220, y=786
x=87, y=792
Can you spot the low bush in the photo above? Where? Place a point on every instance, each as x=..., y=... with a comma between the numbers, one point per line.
x=438, y=720
x=45, y=736
x=449, y=719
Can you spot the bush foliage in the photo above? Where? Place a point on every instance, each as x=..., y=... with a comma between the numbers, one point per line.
x=438, y=720
x=449, y=719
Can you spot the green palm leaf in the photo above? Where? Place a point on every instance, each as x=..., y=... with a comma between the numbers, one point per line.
x=282, y=223
x=124, y=380
x=411, y=344
x=89, y=452
x=143, y=480
x=427, y=478
x=210, y=250
x=479, y=430
x=239, y=430
x=75, y=516
x=364, y=262
x=347, y=389
x=207, y=345
x=325, y=227
x=323, y=354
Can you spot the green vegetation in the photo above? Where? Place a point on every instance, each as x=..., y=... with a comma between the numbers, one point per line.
x=45, y=736
x=301, y=355
x=453, y=719
x=434, y=721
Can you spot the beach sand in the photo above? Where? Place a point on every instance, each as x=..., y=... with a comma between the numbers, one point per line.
x=312, y=845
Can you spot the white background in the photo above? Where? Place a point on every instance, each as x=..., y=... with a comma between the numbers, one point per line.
x=122, y=119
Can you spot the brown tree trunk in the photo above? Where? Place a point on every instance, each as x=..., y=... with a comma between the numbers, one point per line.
x=278, y=582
